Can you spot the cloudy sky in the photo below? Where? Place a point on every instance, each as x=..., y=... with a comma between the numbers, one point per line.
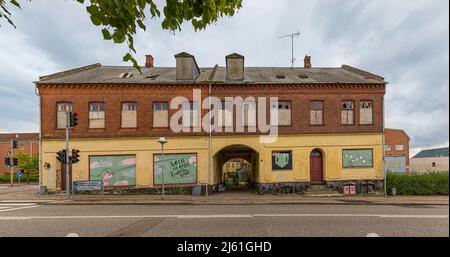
x=405, y=41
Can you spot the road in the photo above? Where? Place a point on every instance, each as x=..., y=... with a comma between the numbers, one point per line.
x=47, y=218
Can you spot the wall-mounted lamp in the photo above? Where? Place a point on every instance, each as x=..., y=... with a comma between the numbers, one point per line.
x=47, y=165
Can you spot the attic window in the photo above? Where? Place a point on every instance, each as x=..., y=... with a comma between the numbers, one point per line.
x=280, y=76
x=125, y=75
x=303, y=76
x=153, y=77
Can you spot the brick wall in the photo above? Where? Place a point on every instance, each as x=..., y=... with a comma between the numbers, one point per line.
x=395, y=137
x=23, y=145
x=145, y=95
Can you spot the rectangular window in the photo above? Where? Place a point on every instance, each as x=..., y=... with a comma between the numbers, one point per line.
x=129, y=115
x=249, y=114
x=399, y=147
x=347, y=108
x=281, y=160
x=365, y=113
x=284, y=113
x=113, y=170
x=225, y=116
x=191, y=114
x=357, y=158
x=387, y=148
x=96, y=115
x=160, y=115
x=177, y=168
x=316, y=112
x=61, y=116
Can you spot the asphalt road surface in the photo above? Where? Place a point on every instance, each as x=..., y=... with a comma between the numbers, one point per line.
x=299, y=220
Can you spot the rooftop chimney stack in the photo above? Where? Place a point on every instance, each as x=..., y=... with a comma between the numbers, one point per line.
x=307, y=61
x=235, y=67
x=187, y=68
x=149, y=61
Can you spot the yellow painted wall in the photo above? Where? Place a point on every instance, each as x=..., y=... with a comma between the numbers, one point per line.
x=300, y=145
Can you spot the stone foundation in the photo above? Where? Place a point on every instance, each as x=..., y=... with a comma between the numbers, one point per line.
x=362, y=186
x=281, y=188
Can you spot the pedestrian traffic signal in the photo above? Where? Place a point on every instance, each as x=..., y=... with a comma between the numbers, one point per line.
x=75, y=156
x=73, y=120
x=61, y=156
x=14, y=144
x=8, y=161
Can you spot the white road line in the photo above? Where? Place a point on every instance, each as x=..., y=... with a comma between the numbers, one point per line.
x=16, y=204
x=19, y=208
x=216, y=216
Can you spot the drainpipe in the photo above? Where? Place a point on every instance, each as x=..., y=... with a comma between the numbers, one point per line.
x=383, y=148
x=209, y=139
x=36, y=92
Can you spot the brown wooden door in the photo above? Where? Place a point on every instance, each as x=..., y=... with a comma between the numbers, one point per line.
x=63, y=176
x=316, y=166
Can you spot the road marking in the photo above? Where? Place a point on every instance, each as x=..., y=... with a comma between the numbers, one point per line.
x=372, y=235
x=72, y=235
x=200, y=216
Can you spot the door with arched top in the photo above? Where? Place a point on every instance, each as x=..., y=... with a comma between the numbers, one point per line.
x=316, y=167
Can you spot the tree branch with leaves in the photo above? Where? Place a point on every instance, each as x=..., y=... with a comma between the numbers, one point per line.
x=120, y=19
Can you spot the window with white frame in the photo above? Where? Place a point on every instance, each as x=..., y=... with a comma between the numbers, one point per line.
x=61, y=116
x=97, y=115
x=399, y=147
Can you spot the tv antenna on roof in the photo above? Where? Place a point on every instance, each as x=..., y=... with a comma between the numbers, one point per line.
x=292, y=42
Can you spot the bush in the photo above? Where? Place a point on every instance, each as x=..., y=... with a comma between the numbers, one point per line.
x=418, y=184
x=6, y=179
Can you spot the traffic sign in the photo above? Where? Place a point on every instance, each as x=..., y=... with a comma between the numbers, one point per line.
x=19, y=174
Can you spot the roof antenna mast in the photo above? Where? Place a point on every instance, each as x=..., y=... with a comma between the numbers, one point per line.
x=292, y=46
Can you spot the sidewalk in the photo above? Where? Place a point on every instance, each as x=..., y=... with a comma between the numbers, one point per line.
x=229, y=198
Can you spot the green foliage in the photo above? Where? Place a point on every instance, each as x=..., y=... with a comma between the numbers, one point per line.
x=5, y=179
x=418, y=184
x=120, y=19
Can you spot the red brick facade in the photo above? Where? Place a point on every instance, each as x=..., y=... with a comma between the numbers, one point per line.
x=23, y=144
x=397, y=137
x=145, y=94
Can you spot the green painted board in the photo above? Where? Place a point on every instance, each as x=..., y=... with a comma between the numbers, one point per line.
x=113, y=170
x=178, y=169
x=357, y=158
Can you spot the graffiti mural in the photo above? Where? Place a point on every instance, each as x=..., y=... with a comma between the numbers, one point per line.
x=357, y=158
x=178, y=169
x=113, y=170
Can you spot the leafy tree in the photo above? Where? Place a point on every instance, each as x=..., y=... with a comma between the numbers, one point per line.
x=30, y=165
x=120, y=19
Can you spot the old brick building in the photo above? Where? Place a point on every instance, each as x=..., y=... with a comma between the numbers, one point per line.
x=396, y=147
x=26, y=142
x=330, y=125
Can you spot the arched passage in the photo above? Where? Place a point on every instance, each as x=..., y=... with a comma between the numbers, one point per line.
x=247, y=157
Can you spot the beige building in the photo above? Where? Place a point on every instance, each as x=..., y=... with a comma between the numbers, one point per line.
x=431, y=160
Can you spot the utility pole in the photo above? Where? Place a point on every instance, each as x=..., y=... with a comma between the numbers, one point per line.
x=67, y=156
x=292, y=45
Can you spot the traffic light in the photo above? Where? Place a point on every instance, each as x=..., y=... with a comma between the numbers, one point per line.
x=15, y=161
x=61, y=156
x=14, y=144
x=75, y=156
x=7, y=161
x=73, y=120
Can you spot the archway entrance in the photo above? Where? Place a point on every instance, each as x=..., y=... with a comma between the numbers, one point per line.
x=316, y=167
x=237, y=167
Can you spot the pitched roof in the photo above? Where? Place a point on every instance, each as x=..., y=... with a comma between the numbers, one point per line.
x=98, y=74
x=18, y=136
x=438, y=152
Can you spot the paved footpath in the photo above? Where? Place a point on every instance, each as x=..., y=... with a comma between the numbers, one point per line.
x=29, y=193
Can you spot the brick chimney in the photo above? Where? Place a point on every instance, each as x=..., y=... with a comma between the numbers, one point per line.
x=149, y=61
x=307, y=61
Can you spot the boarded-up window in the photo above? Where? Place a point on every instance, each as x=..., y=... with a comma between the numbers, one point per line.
x=284, y=113
x=249, y=114
x=191, y=114
x=356, y=158
x=96, y=115
x=61, y=116
x=160, y=115
x=316, y=112
x=347, y=108
x=113, y=170
x=399, y=147
x=129, y=115
x=365, y=112
x=387, y=148
x=225, y=116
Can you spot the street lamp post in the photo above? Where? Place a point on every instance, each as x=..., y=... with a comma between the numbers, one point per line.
x=162, y=141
